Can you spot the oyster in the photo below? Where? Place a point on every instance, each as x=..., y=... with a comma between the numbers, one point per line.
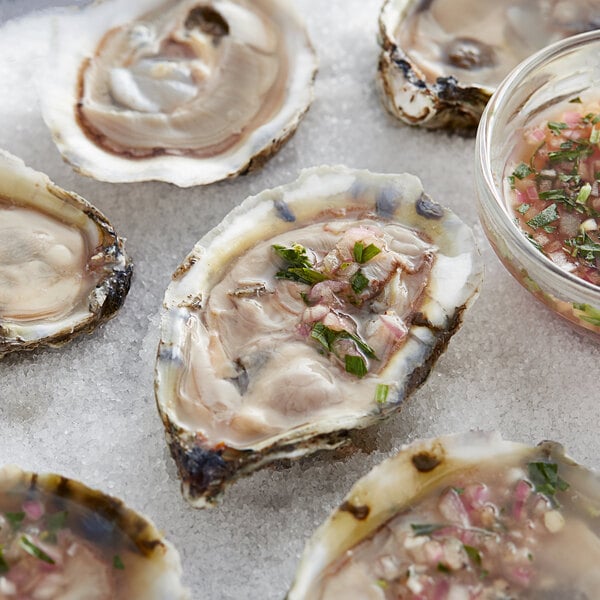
x=312, y=309
x=63, y=270
x=61, y=539
x=441, y=60
x=187, y=92
x=462, y=516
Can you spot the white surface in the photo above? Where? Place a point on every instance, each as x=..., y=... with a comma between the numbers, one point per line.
x=87, y=410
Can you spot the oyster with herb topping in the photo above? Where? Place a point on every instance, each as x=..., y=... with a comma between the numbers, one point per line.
x=186, y=92
x=466, y=516
x=62, y=540
x=312, y=309
x=63, y=270
x=441, y=60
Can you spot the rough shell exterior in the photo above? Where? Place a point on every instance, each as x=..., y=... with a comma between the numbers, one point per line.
x=393, y=486
x=206, y=469
x=32, y=188
x=160, y=578
x=406, y=93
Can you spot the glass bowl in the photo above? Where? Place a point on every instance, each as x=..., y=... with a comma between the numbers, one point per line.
x=565, y=70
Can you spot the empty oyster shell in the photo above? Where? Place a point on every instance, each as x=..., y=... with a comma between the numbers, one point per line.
x=61, y=539
x=312, y=309
x=186, y=92
x=63, y=270
x=441, y=60
x=464, y=516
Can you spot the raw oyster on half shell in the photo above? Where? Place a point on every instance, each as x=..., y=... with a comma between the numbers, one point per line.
x=313, y=309
x=63, y=270
x=467, y=516
x=60, y=540
x=186, y=91
x=441, y=60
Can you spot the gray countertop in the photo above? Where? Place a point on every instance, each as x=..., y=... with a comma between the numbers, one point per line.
x=87, y=410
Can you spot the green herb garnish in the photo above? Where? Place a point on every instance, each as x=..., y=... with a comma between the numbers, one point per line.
x=458, y=490
x=299, y=267
x=523, y=208
x=34, y=550
x=570, y=151
x=543, y=218
x=118, y=563
x=589, y=313
x=4, y=568
x=522, y=171
x=556, y=127
x=584, y=247
x=381, y=393
x=362, y=254
x=359, y=282
x=545, y=478
x=473, y=554
x=327, y=337
x=355, y=365
x=442, y=568
x=576, y=100
x=426, y=528
x=595, y=136
x=15, y=519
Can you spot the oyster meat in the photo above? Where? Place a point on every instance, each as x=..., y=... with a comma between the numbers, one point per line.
x=312, y=309
x=187, y=92
x=441, y=60
x=63, y=270
x=62, y=540
x=463, y=516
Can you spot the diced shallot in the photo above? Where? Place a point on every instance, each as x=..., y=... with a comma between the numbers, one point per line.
x=452, y=508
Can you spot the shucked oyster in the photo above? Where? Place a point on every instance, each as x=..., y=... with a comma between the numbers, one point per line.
x=186, y=91
x=63, y=270
x=312, y=309
x=466, y=516
x=60, y=540
x=441, y=60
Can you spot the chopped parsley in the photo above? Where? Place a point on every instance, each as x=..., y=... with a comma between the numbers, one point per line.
x=522, y=171
x=359, y=282
x=299, y=267
x=545, y=478
x=355, y=365
x=381, y=393
x=34, y=550
x=118, y=562
x=473, y=554
x=15, y=519
x=543, y=218
x=4, y=568
x=364, y=254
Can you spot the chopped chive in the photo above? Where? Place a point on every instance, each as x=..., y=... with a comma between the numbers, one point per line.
x=118, y=562
x=545, y=478
x=381, y=393
x=364, y=254
x=34, y=550
x=523, y=208
x=425, y=528
x=556, y=127
x=584, y=193
x=355, y=365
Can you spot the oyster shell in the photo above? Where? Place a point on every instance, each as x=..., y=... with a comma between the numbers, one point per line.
x=262, y=359
x=186, y=92
x=459, y=513
x=441, y=60
x=61, y=539
x=63, y=270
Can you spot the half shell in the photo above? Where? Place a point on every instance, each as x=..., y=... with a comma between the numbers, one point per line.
x=63, y=270
x=441, y=60
x=183, y=91
x=250, y=366
x=68, y=541
x=550, y=544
